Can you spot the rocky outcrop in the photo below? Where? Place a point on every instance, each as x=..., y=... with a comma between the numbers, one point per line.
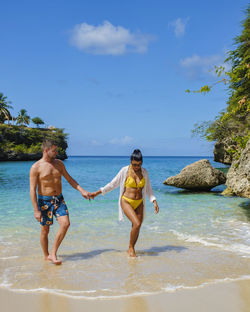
x=14, y=156
x=238, y=176
x=221, y=151
x=199, y=176
x=24, y=143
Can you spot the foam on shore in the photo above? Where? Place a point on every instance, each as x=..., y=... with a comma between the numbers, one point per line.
x=82, y=294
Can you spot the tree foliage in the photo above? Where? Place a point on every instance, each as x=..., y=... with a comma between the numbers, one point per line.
x=29, y=140
x=234, y=122
x=37, y=121
x=23, y=118
x=22, y=140
x=4, y=108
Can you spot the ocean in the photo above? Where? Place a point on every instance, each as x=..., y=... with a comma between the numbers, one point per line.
x=195, y=240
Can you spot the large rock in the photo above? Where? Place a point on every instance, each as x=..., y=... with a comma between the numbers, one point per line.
x=199, y=176
x=221, y=151
x=238, y=176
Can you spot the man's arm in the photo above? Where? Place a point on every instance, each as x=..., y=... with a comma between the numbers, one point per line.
x=33, y=196
x=73, y=183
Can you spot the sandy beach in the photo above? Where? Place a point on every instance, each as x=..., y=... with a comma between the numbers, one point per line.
x=124, y=156
x=193, y=256
x=227, y=296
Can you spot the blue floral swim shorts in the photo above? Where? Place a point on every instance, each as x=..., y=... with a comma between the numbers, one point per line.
x=51, y=205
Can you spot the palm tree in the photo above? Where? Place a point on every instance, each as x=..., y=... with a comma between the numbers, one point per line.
x=4, y=108
x=37, y=121
x=23, y=118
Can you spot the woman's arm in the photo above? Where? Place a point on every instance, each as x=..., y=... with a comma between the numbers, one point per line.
x=150, y=194
x=113, y=184
x=156, y=206
x=110, y=186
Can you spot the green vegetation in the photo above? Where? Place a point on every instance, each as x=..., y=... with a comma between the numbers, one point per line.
x=22, y=118
x=26, y=140
x=19, y=141
x=37, y=121
x=233, y=124
x=4, y=108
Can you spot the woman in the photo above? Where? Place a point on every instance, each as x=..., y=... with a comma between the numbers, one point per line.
x=134, y=186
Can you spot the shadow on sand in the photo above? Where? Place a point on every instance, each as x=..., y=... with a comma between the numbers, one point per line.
x=85, y=255
x=155, y=251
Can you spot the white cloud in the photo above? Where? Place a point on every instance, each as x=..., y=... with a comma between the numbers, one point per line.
x=179, y=26
x=121, y=141
x=199, y=66
x=108, y=39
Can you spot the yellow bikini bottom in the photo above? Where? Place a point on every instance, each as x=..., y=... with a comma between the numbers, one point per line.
x=133, y=202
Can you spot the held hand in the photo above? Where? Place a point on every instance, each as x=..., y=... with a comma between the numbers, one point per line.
x=156, y=207
x=38, y=215
x=94, y=194
x=86, y=194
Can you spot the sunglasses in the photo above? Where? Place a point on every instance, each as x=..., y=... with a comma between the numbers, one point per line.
x=136, y=165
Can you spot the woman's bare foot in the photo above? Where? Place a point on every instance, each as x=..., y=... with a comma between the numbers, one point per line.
x=54, y=260
x=131, y=252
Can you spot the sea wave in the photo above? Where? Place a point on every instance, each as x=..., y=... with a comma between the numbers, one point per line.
x=234, y=247
x=174, y=288
x=82, y=294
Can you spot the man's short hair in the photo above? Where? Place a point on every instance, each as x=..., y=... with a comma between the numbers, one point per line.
x=48, y=144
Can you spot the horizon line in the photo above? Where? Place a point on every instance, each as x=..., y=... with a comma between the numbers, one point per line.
x=143, y=156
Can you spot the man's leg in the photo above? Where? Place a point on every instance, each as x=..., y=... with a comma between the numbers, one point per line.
x=64, y=225
x=44, y=240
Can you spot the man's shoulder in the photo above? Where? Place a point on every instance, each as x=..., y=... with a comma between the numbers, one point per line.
x=58, y=162
x=36, y=165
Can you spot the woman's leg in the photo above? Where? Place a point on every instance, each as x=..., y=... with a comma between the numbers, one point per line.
x=136, y=219
x=139, y=213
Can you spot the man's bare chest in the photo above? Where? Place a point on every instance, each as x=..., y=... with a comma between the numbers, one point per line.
x=49, y=173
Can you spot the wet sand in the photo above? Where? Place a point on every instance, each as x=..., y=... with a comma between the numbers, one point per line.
x=228, y=297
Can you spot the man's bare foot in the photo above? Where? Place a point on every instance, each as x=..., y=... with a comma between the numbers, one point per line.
x=54, y=260
x=131, y=252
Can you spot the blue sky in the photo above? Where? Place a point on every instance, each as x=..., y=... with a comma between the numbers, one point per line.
x=114, y=73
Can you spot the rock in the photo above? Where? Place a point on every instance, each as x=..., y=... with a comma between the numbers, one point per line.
x=199, y=176
x=3, y=156
x=228, y=192
x=238, y=176
x=221, y=151
x=14, y=156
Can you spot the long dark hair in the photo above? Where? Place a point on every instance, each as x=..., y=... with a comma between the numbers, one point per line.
x=136, y=155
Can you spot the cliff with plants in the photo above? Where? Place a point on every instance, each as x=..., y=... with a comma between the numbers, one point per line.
x=231, y=128
x=18, y=141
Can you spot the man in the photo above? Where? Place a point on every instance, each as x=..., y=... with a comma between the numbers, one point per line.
x=45, y=177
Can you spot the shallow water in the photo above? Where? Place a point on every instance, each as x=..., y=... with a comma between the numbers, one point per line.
x=197, y=238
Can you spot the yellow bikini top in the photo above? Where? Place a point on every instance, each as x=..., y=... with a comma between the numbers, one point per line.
x=130, y=182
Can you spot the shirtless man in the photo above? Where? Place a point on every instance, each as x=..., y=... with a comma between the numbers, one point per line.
x=45, y=177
